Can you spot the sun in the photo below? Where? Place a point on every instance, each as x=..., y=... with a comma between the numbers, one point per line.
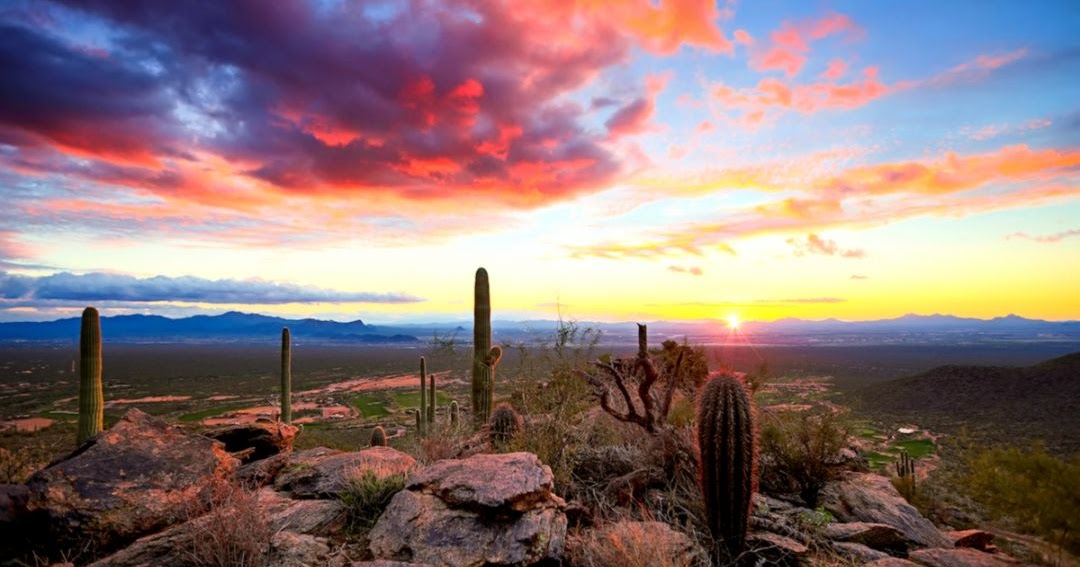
x=733, y=322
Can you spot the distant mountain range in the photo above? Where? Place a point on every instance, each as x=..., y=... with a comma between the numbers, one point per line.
x=235, y=326
x=231, y=326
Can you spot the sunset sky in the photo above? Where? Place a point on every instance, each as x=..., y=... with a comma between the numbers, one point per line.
x=663, y=159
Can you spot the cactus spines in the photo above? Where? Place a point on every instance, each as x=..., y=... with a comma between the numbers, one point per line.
x=453, y=414
x=91, y=398
x=505, y=423
x=286, y=375
x=483, y=368
x=727, y=464
x=378, y=437
x=423, y=396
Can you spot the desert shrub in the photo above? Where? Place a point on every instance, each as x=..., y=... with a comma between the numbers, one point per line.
x=691, y=371
x=232, y=533
x=366, y=495
x=1030, y=489
x=624, y=544
x=16, y=465
x=799, y=451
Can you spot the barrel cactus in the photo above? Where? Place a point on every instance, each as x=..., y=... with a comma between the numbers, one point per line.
x=728, y=471
x=505, y=424
x=286, y=375
x=378, y=437
x=91, y=397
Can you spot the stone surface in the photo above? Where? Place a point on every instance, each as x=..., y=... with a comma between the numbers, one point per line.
x=876, y=536
x=135, y=478
x=776, y=549
x=493, y=481
x=263, y=472
x=291, y=549
x=859, y=552
x=323, y=473
x=484, y=510
x=891, y=562
x=960, y=558
x=386, y=563
x=975, y=539
x=863, y=497
x=263, y=439
x=636, y=543
x=13, y=500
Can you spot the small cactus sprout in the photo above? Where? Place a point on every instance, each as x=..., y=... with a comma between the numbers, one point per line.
x=91, y=398
x=378, y=437
x=727, y=464
x=286, y=375
x=505, y=424
x=453, y=414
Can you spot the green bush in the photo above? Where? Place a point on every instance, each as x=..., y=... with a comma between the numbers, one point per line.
x=366, y=495
x=799, y=451
x=1031, y=489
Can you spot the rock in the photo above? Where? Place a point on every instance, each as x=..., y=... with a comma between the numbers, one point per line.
x=291, y=549
x=484, y=510
x=961, y=557
x=313, y=517
x=13, y=500
x=322, y=472
x=137, y=477
x=975, y=539
x=385, y=563
x=635, y=543
x=859, y=552
x=863, y=497
x=513, y=481
x=876, y=536
x=258, y=474
x=891, y=562
x=776, y=549
x=264, y=438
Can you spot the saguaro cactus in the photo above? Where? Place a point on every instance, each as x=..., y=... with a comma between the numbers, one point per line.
x=485, y=358
x=422, y=423
x=286, y=375
x=454, y=414
x=728, y=463
x=91, y=398
x=431, y=403
x=378, y=437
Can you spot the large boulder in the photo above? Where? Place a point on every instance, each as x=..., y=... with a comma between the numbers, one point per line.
x=961, y=557
x=137, y=477
x=876, y=536
x=323, y=473
x=256, y=441
x=484, y=510
x=863, y=497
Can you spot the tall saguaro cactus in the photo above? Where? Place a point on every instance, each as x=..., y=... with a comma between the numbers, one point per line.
x=422, y=422
x=431, y=403
x=728, y=463
x=286, y=375
x=91, y=398
x=485, y=358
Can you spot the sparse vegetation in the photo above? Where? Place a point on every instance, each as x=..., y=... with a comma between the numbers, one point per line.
x=799, y=451
x=366, y=495
x=233, y=533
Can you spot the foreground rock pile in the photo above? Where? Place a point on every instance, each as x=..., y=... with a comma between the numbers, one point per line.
x=148, y=493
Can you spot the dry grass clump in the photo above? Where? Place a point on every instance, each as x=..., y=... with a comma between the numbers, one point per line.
x=366, y=494
x=627, y=544
x=233, y=533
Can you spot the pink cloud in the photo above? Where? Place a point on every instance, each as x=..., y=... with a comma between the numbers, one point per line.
x=790, y=44
x=1046, y=238
x=814, y=244
x=835, y=70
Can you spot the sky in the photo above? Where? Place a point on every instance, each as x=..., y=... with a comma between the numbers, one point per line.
x=652, y=159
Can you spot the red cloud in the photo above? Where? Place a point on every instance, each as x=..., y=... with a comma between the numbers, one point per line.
x=634, y=117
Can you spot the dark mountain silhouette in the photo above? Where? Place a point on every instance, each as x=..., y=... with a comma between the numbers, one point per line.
x=1039, y=402
x=227, y=326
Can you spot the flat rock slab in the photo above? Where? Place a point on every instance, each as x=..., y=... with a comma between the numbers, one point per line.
x=323, y=473
x=876, y=536
x=975, y=539
x=891, y=562
x=776, y=549
x=137, y=477
x=865, y=497
x=508, y=481
x=859, y=552
x=961, y=558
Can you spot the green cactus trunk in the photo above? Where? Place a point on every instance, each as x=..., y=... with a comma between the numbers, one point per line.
x=483, y=373
x=422, y=424
x=431, y=403
x=91, y=398
x=286, y=375
x=454, y=414
x=728, y=463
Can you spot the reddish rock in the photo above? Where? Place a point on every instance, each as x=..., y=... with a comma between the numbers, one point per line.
x=975, y=539
x=776, y=549
x=876, y=536
x=256, y=441
x=487, y=510
x=137, y=477
x=862, y=497
x=891, y=562
x=859, y=552
x=961, y=557
x=323, y=473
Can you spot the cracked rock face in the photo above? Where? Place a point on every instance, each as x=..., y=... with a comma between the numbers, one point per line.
x=483, y=510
